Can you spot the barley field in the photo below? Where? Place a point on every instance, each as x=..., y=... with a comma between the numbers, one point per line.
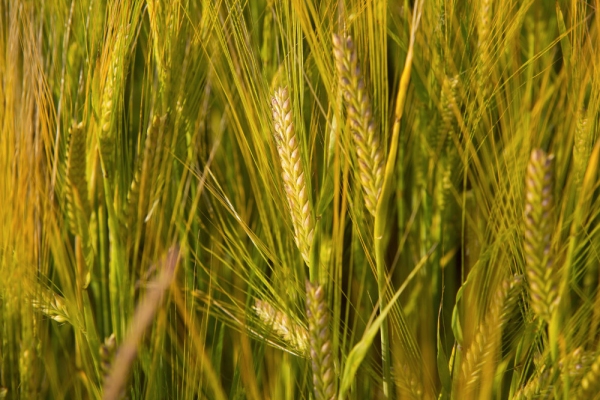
x=299, y=199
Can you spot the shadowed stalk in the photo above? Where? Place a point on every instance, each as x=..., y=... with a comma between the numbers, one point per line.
x=142, y=319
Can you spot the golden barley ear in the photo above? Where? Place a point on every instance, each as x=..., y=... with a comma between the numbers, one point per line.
x=293, y=172
x=294, y=335
x=321, y=352
x=542, y=277
x=358, y=106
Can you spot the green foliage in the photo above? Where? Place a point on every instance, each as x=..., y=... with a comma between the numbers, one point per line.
x=431, y=170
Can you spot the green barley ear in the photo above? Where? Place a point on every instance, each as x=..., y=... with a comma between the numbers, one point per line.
x=76, y=169
x=443, y=143
x=146, y=170
x=106, y=135
x=448, y=101
x=541, y=274
x=293, y=172
x=78, y=205
x=293, y=334
x=590, y=383
x=408, y=383
x=360, y=115
x=486, y=343
x=537, y=386
x=582, y=147
x=51, y=305
x=106, y=140
x=321, y=352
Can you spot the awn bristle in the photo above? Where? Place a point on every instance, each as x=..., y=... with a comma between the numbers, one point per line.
x=293, y=172
x=321, y=352
x=541, y=274
x=360, y=115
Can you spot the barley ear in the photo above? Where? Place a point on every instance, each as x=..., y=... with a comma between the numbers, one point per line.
x=582, y=147
x=590, y=383
x=76, y=168
x=321, y=352
x=52, y=305
x=294, y=335
x=78, y=207
x=293, y=172
x=106, y=140
x=486, y=343
x=107, y=354
x=541, y=274
x=360, y=116
x=484, y=24
x=146, y=171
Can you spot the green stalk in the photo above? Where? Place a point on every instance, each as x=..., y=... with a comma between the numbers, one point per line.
x=382, y=210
